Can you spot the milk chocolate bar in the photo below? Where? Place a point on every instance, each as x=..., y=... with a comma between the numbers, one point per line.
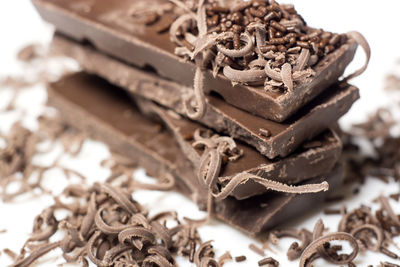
x=111, y=26
x=270, y=138
x=315, y=158
x=92, y=105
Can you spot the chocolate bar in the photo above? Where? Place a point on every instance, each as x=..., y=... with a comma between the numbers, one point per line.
x=315, y=158
x=112, y=28
x=92, y=105
x=270, y=138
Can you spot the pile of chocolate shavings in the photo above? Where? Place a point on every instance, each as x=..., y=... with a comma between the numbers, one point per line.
x=17, y=167
x=384, y=163
x=377, y=131
x=255, y=42
x=105, y=225
x=361, y=228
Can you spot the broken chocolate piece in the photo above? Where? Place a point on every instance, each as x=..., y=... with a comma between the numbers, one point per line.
x=86, y=103
x=284, y=138
x=303, y=164
x=258, y=214
x=91, y=104
x=111, y=29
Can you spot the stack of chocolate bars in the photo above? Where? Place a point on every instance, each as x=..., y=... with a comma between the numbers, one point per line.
x=233, y=99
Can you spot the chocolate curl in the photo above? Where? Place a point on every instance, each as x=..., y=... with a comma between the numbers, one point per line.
x=360, y=39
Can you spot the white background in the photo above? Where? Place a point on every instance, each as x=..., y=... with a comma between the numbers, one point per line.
x=20, y=25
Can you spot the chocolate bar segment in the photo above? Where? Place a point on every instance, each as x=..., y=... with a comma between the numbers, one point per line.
x=259, y=214
x=91, y=104
x=313, y=159
x=282, y=138
x=103, y=110
x=109, y=26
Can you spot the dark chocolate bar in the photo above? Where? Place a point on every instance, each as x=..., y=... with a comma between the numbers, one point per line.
x=92, y=105
x=110, y=27
x=315, y=158
x=270, y=138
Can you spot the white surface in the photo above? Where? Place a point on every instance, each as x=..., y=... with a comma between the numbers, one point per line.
x=20, y=25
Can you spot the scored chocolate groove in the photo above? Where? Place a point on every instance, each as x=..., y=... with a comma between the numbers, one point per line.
x=270, y=138
x=108, y=25
x=92, y=105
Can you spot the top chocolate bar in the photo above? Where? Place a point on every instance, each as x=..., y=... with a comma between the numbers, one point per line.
x=258, y=55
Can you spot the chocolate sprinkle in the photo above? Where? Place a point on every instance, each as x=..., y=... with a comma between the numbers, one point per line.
x=240, y=258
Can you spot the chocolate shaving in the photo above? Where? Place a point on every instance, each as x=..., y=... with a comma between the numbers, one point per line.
x=375, y=229
x=269, y=184
x=195, y=105
x=165, y=186
x=286, y=73
x=244, y=76
x=360, y=39
x=35, y=255
x=313, y=249
x=226, y=257
x=10, y=253
x=257, y=250
x=303, y=60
